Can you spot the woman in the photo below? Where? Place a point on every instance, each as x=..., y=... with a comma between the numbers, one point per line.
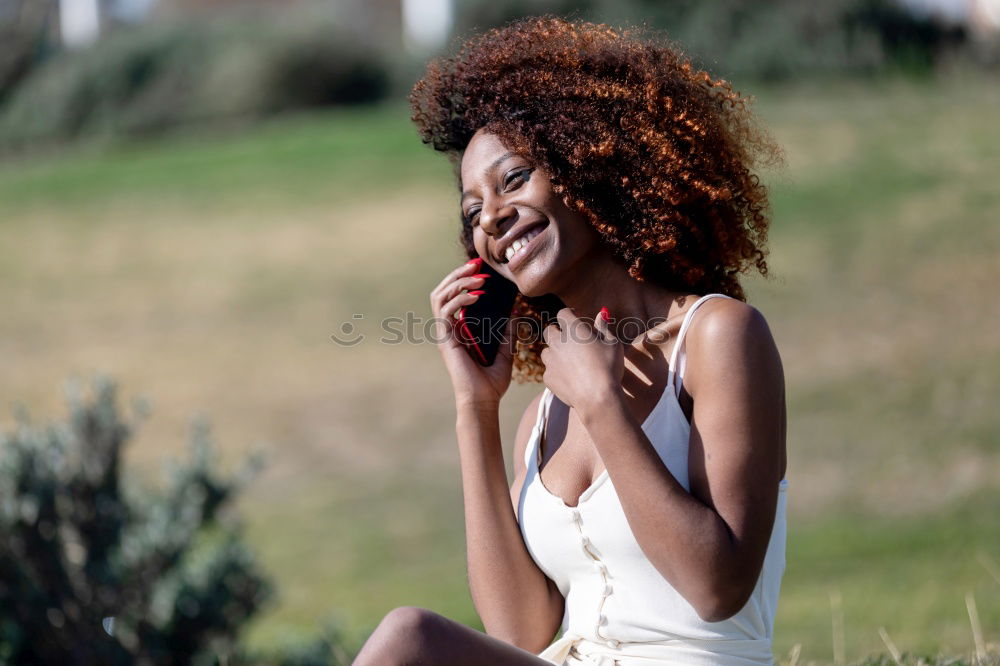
x=646, y=518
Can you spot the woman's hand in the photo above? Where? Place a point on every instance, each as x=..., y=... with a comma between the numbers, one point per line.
x=583, y=360
x=473, y=384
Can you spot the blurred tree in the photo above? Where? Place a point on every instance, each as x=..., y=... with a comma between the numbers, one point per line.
x=26, y=38
x=210, y=71
x=761, y=39
x=94, y=570
x=910, y=41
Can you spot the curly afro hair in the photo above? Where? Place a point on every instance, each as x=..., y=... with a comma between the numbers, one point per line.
x=656, y=154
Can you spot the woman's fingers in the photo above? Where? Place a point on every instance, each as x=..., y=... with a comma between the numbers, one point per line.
x=602, y=323
x=464, y=269
x=453, y=284
x=452, y=291
x=444, y=315
x=461, y=284
x=450, y=295
x=449, y=309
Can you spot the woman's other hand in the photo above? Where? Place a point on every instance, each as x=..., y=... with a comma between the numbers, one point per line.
x=473, y=384
x=584, y=362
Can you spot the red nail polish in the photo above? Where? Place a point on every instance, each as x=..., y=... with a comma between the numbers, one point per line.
x=477, y=261
x=478, y=292
x=482, y=275
x=605, y=314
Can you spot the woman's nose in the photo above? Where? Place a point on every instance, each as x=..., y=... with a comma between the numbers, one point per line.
x=494, y=220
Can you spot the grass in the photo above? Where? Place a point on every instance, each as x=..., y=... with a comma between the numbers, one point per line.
x=208, y=273
x=907, y=575
x=302, y=160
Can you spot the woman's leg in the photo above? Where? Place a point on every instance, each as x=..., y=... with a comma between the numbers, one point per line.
x=419, y=637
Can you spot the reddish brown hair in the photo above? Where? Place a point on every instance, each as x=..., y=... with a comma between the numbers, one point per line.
x=656, y=154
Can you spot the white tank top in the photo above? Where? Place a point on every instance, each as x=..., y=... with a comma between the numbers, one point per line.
x=619, y=608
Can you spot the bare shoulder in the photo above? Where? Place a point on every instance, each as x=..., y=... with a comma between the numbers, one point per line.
x=726, y=332
x=727, y=316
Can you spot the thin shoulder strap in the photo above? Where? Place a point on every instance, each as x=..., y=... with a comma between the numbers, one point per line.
x=674, y=354
x=536, y=432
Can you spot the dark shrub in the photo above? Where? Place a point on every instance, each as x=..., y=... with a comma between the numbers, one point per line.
x=95, y=570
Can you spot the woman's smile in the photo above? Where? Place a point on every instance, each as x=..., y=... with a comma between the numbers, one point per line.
x=515, y=219
x=525, y=246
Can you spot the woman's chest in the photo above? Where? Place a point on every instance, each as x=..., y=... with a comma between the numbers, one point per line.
x=570, y=464
x=582, y=541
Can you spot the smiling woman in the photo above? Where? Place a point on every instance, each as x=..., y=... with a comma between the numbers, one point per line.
x=646, y=517
x=517, y=219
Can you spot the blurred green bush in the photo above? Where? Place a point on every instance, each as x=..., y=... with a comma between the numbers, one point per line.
x=96, y=569
x=192, y=71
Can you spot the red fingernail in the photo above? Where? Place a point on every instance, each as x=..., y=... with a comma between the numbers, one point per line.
x=477, y=261
x=482, y=275
x=477, y=292
x=605, y=314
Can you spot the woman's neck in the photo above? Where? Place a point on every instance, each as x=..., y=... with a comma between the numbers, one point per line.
x=634, y=306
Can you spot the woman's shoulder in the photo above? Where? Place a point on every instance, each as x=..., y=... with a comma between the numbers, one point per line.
x=719, y=315
x=728, y=330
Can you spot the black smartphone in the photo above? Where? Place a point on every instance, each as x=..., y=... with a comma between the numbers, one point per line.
x=481, y=324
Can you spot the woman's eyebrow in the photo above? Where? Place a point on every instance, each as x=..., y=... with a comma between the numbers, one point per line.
x=492, y=166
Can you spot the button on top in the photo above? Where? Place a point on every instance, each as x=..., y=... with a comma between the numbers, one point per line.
x=586, y=541
x=607, y=589
x=602, y=619
x=576, y=515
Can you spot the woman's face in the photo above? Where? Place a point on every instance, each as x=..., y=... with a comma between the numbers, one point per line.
x=519, y=226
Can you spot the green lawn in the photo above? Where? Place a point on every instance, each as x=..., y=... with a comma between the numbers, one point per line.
x=208, y=273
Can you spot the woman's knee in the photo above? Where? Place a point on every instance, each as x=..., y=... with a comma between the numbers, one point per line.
x=404, y=636
x=410, y=621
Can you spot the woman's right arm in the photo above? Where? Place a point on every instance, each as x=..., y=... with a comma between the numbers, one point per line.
x=515, y=600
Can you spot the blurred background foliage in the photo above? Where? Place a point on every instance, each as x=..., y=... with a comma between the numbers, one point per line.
x=96, y=567
x=168, y=73
x=198, y=197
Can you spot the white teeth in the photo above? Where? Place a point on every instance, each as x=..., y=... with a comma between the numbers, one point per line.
x=521, y=243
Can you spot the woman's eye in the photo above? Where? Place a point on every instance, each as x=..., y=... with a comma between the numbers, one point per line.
x=472, y=216
x=518, y=176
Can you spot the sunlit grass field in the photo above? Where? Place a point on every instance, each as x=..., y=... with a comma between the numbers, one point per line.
x=208, y=273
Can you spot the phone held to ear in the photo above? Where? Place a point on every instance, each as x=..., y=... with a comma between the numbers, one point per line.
x=481, y=324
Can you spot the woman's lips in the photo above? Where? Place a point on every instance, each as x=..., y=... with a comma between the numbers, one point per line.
x=501, y=255
x=525, y=253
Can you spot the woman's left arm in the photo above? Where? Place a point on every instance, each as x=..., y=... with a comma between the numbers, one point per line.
x=710, y=543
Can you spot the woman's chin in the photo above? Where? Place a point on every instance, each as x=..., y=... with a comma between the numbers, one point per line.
x=534, y=280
